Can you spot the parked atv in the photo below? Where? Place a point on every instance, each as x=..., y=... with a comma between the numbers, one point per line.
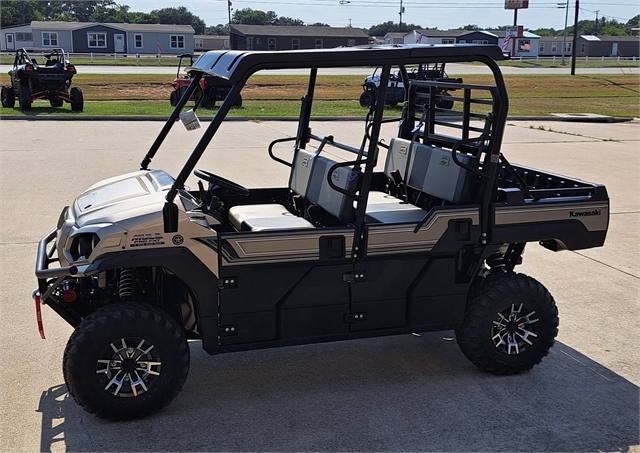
x=31, y=81
x=212, y=88
x=139, y=263
x=396, y=87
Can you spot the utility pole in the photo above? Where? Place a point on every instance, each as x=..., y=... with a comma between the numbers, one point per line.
x=401, y=11
x=564, y=37
x=597, y=11
x=575, y=39
x=229, y=6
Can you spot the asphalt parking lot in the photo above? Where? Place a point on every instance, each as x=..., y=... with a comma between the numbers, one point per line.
x=405, y=393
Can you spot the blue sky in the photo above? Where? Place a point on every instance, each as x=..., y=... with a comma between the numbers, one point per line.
x=428, y=13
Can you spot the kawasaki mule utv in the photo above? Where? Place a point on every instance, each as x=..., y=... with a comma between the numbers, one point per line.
x=138, y=264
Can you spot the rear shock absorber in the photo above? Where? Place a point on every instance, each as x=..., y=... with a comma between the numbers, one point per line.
x=496, y=262
x=127, y=284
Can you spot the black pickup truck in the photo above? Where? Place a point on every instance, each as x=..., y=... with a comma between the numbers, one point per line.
x=427, y=240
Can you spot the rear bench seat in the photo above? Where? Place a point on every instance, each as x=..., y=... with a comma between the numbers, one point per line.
x=308, y=178
x=425, y=168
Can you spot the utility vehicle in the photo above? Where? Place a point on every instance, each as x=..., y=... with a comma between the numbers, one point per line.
x=396, y=90
x=50, y=80
x=138, y=264
x=211, y=88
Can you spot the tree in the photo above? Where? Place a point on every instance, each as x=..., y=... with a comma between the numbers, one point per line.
x=288, y=21
x=610, y=30
x=470, y=27
x=19, y=12
x=180, y=16
x=544, y=32
x=248, y=16
x=391, y=27
x=219, y=29
x=318, y=24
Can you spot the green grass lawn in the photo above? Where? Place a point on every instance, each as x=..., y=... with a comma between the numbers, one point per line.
x=279, y=95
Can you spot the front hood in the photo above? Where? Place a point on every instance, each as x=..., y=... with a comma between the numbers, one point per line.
x=115, y=199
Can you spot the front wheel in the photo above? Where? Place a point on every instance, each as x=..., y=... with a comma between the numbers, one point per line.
x=509, y=325
x=367, y=98
x=25, y=98
x=126, y=361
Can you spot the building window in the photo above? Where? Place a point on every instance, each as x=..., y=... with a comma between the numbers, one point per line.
x=480, y=41
x=554, y=47
x=24, y=37
x=176, y=41
x=198, y=43
x=295, y=43
x=582, y=47
x=49, y=38
x=448, y=41
x=351, y=43
x=272, y=43
x=463, y=41
x=318, y=43
x=541, y=48
x=258, y=41
x=568, y=47
x=524, y=45
x=226, y=44
x=97, y=40
x=137, y=41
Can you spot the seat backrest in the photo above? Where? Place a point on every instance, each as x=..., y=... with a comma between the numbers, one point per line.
x=431, y=170
x=309, y=178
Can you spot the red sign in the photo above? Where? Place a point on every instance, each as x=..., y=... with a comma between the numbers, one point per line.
x=516, y=4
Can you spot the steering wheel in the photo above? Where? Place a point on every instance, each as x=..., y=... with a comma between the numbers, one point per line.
x=221, y=182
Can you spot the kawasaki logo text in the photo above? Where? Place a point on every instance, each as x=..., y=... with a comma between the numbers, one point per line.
x=584, y=213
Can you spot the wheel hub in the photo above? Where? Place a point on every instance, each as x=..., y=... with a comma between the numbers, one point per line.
x=128, y=367
x=512, y=332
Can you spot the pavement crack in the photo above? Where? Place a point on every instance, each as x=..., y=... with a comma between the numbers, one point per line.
x=86, y=431
x=607, y=265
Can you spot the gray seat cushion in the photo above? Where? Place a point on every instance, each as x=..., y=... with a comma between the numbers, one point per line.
x=385, y=208
x=265, y=217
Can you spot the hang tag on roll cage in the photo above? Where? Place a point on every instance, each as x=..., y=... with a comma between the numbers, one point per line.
x=190, y=120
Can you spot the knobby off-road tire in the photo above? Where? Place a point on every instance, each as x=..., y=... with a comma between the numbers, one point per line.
x=8, y=97
x=25, y=99
x=510, y=324
x=367, y=98
x=126, y=361
x=77, y=100
x=174, y=97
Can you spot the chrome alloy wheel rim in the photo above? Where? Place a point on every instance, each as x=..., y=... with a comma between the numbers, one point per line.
x=513, y=330
x=128, y=367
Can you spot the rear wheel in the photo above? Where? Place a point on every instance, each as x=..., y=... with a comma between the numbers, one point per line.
x=125, y=361
x=238, y=102
x=174, y=98
x=25, y=98
x=8, y=97
x=509, y=325
x=77, y=100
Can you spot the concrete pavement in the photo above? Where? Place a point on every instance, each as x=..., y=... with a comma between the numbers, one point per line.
x=405, y=393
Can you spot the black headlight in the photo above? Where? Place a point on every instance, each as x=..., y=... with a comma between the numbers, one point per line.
x=82, y=245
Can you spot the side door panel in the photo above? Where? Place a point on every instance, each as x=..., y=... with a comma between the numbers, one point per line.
x=283, y=285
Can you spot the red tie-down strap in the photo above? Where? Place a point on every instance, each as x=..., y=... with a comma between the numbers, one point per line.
x=36, y=296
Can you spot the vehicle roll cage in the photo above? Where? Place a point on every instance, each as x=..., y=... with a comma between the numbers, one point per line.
x=238, y=66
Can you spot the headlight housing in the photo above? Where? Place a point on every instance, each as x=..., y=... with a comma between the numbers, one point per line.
x=82, y=245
